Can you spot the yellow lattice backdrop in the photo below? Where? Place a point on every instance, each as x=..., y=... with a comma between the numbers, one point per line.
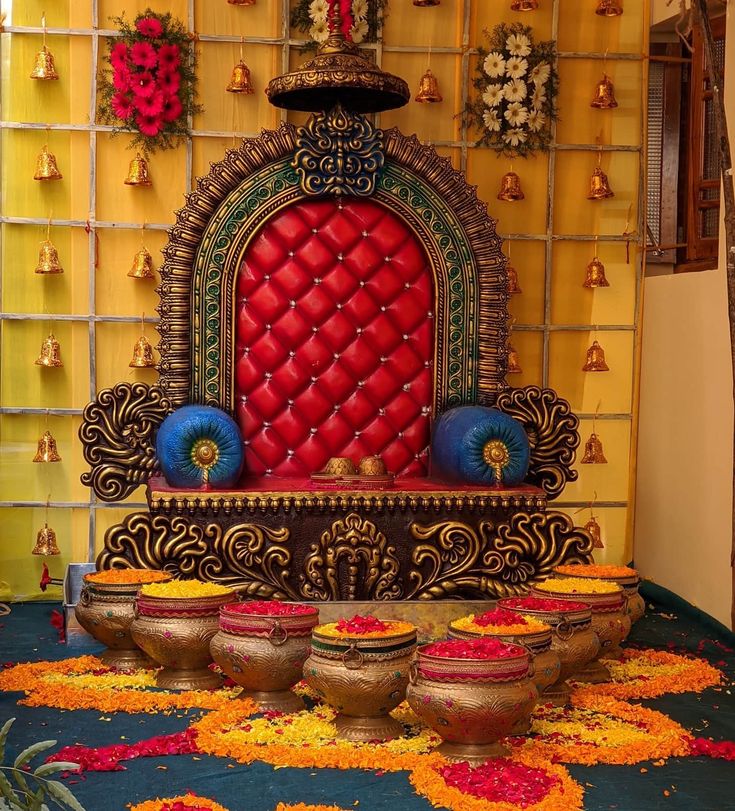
x=97, y=222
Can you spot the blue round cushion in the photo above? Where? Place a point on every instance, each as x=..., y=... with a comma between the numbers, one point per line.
x=461, y=436
x=183, y=435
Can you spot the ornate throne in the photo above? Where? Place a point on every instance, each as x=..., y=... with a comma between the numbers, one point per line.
x=335, y=288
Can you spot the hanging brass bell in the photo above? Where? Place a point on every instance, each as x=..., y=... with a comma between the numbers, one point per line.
x=142, y=354
x=609, y=8
x=46, y=168
x=514, y=364
x=46, y=451
x=513, y=286
x=524, y=5
x=428, y=89
x=593, y=452
x=241, y=2
x=44, y=67
x=46, y=542
x=599, y=186
x=48, y=259
x=604, y=94
x=595, y=275
x=240, y=81
x=50, y=353
x=510, y=187
x=595, y=359
x=595, y=531
x=142, y=267
x=426, y=3
x=138, y=172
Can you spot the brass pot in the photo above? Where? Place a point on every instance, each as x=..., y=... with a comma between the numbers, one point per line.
x=546, y=662
x=363, y=678
x=472, y=703
x=610, y=622
x=176, y=632
x=573, y=639
x=636, y=604
x=264, y=654
x=106, y=611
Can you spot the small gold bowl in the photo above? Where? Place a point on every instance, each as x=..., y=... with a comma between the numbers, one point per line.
x=372, y=466
x=340, y=466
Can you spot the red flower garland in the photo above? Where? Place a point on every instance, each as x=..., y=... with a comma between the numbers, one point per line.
x=361, y=625
x=483, y=648
x=270, y=608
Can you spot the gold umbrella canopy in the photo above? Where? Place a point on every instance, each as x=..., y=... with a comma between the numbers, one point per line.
x=339, y=74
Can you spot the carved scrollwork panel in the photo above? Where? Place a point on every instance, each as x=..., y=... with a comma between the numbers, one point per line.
x=454, y=558
x=355, y=552
x=552, y=431
x=248, y=556
x=118, y=436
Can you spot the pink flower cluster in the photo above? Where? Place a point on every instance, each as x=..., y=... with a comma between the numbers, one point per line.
x=361, y=625
x=500, y=781
x=271, y=608
x=543, y=604
x=484, y=648
x=500, y=616
x=146, y=79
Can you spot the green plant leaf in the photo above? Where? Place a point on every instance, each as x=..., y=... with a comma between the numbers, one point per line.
x=7, y=790
x=63, y=795
x=57, y=766
x=4, y=736
x=30, y=752
x=36, y=802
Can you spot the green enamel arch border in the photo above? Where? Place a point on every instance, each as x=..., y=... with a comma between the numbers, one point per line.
x=241, y=215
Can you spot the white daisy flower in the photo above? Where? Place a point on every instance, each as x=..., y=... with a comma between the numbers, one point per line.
x=516, y=114
x=540, y=74
x=359, y=30
x=493, y=95
x=536, y=120
x=359, y=8
x=515, y=67
x=518, y=45
x=515, y=90
x=494, y=65
x=539, y=98
x=318, y=10
x=514, y=137
x=492, y=121
x=319, y=32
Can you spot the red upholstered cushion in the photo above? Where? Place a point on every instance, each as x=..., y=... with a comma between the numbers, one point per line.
x=334, y=340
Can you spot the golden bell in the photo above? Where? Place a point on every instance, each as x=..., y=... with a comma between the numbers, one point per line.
x=510, y=187
x=595, y=275
x=47, y=449
x=595, y=359
x=513, y=285
x=48, y=259
x=514, y=365
x=593, y=452
x=428, y=89
x=142, y=267
x=426, y=2
x=50, y=353
x=138, y=172
x=240, y=81
x=596, y=532
x=46, y=168
x=142, y=354
x=609, y=8
x=524, y=5
x=241, y=2
x=599, y=186
x=44, y=68
x=604, y=94
x=46, y=542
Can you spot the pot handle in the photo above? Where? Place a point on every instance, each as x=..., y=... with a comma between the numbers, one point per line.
x=564, y=630
x=352, y=658
x=531, y=660
x=84, y=597
x=413, y=672
x=136, y=612
x=626, y=603
x=278, y=635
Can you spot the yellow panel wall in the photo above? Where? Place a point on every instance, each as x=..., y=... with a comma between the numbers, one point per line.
x=98, y=224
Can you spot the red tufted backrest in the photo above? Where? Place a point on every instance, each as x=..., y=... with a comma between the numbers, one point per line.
x=334, y=340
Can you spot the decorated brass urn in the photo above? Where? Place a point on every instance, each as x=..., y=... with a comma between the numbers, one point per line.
x=262, y=646
x=174, y=624
x=610, y=620
x=513, y=627
x=472, y=693
x=624, y=576
x=572, y=638
x=360, y=668
x=106, y=609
